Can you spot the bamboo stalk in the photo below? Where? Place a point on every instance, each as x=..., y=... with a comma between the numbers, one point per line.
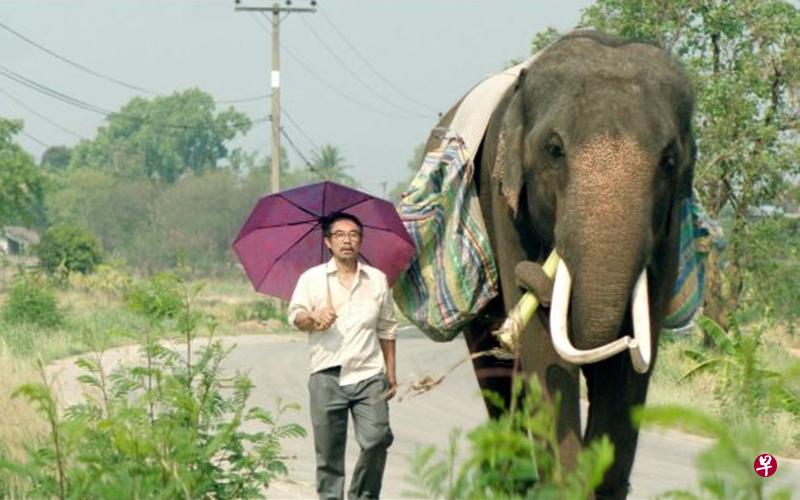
x=509, y=333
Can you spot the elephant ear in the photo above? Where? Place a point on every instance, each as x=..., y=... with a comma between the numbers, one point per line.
x=508, y=165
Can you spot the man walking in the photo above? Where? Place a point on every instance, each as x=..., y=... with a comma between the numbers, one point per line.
x=346, y=307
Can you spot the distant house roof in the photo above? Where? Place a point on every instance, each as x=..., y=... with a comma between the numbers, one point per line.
x=21, y=235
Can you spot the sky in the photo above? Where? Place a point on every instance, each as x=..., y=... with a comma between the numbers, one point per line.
x=368, y=77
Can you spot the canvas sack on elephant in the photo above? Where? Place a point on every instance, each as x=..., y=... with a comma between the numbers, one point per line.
x=454, y=275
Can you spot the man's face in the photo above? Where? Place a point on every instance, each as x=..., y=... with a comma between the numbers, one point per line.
x=344, y=240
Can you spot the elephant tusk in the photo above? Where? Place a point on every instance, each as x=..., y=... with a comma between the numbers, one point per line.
x=558, y=326
x=640, y=347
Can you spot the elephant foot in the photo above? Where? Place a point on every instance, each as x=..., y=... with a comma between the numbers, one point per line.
x=614, y=493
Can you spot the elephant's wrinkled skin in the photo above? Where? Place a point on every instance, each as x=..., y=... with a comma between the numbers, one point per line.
x=589, y=153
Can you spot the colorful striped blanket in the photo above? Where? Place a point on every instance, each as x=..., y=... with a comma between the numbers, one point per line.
x=454, y=274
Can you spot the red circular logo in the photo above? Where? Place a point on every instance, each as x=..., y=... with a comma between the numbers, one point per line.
x=765, y=465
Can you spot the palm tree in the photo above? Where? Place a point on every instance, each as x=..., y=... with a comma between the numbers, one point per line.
x=329, y=165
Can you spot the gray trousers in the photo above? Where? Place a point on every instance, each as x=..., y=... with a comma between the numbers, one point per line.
x=329, y=404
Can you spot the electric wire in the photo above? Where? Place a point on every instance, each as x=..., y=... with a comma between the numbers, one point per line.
x=314, y=146
x=334, y=89
x=353, y=74
x=109, y=78
x=55, y=94
x=369, y=65
x=42, y=117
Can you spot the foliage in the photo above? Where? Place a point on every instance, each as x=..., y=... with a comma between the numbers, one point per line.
x=515, y=456
x=107, y=281
x=260, y=310
x=158, y=298
x=56, y=158
x=771, y=263
x=742, y=57
x=171, y=428
x=412, y=166
x=162, y=138
x=21, y=184
x=192, y=221
x=65, y=249
x=544, y=38
x=32, y=301
x=195, y=221
x=735, y=358
x=328, y=164
x=726, y=468
x=116, y=209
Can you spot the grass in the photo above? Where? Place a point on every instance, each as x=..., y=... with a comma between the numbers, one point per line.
x=19, y=421
x=701, y=391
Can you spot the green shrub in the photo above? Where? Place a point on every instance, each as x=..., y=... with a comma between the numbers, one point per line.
x=65, y=249
x=260, y=310
x=171, y=427
x=33, y=302
x=515, y=456
x=725, y=469
x=157, y=298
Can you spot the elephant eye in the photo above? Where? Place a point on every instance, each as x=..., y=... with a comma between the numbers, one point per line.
x=669, y=160
x=554, y=150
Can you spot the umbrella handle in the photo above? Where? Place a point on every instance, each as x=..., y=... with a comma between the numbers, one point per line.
x=328, y=301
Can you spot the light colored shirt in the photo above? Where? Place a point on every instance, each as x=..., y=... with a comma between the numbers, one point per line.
x=364, y=314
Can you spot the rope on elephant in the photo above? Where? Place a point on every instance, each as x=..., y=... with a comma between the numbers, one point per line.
x=426, y=383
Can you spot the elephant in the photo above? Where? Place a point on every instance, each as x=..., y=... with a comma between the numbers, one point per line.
x=590, y=152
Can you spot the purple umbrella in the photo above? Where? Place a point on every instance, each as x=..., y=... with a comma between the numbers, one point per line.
x=283, y=237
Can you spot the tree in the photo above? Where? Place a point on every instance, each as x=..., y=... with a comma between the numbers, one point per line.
x=194, y=222
x=114, y=208
x=56, y=158
x=21, y=183
x=65, y=249
x=412, y=166
x=743, y=57
x=163, y=138
x=329, y=165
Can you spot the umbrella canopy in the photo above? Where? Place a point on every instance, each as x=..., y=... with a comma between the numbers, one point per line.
x=282, y=237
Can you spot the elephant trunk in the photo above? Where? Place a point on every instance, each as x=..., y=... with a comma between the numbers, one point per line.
x=604, y=238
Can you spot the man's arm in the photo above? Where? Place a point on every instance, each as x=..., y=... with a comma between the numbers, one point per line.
x=388, y=348
x=386, y=328
x=302, y=313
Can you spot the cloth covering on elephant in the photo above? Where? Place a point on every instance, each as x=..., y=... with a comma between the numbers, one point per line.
x=454, y=274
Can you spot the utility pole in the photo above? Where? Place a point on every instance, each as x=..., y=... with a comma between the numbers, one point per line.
x=275, y=78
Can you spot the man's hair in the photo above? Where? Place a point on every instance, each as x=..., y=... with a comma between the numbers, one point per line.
x=327, y=221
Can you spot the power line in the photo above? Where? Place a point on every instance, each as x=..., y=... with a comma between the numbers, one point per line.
x=313, y=144
x=46, y=119
x=244, y=99
x=43, y=89
x=74, y=64
x=109, y=78
x=29, y=136
x=371, y=67
x=297, y=150
x=55, y=94
x=353, y=73
x=335, y=89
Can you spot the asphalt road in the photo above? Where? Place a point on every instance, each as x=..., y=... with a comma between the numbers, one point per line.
x=278, y=365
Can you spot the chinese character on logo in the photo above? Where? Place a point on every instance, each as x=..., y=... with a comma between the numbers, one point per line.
x=765, y=465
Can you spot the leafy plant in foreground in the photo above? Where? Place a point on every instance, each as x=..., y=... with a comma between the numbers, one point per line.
x=515, y=456
x=175, y=427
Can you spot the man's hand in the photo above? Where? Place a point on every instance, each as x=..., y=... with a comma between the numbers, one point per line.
x=391, y=391
x=323, y=318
